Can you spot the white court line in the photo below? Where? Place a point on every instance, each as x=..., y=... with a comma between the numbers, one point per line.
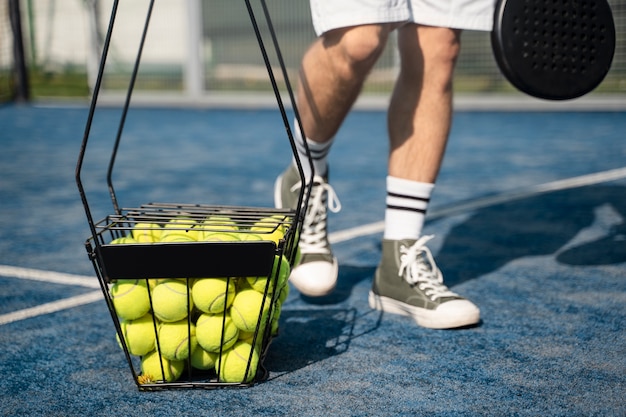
x=336, y=237
x=49, y=276
x=580, y=181
x=51, y=307
x=55, y=278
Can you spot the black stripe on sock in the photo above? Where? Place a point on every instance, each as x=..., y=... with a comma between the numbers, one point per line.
x=413, y=209
x=408, y=197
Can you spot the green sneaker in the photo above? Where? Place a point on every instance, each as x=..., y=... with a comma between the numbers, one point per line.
x=409, y=283
x=316, y=274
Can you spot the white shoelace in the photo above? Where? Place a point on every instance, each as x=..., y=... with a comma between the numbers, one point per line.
x=421, y=270
x=312, y=238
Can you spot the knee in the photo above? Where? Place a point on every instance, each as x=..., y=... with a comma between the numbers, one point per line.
x=443, y=46
x=355, y=50
x=428, y=54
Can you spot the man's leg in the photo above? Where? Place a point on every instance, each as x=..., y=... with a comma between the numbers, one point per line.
x=407, y=280
x=331, y=77
x=332, y=74
x=420, y=111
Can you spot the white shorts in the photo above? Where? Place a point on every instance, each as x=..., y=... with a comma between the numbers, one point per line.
x=458, y=14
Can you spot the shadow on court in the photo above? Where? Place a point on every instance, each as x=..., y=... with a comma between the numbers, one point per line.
x=309, y=336
x=580, y=226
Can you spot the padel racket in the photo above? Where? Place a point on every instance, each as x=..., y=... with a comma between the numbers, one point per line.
x=555, y=50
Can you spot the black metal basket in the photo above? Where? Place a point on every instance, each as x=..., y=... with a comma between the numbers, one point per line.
x=140, y=252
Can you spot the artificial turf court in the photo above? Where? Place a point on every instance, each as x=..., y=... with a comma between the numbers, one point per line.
x=530, y=223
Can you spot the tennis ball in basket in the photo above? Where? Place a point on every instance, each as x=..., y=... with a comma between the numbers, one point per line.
x=216, y=224
x=283, y=294
x=234, y=363
x=147, y=232
x=246, y=309
x=270, y=229
x=139, y=335
x=260, y=283
x=213, y=295
x=124, y=240
x=151, y=368
x=297, y=257
x=276, y=318
x=209, y=329
x=201, y=359
x=174, y=339
x=180, y=229
x=171, y=300
x=250, y=237
x=130, y=298
x=219, y=237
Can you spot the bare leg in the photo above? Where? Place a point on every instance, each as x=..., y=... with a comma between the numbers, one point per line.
x=331, y=77
x=332, y=74
x=420, y=111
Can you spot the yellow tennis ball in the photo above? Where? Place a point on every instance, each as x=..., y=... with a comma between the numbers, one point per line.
x=213, y=295
x=220, y=237
x=297, y=257
x=124, y=240
x=246, y=309
x=270, y=229
x=175, y=339
x=180, y=229
x=171, y=300
x=250, y=237
x=216, y=224
x=283, y=294
x=280, y=270
x=152, y=371
x=147, y=232
x=201, y=359
x=139, y=335
x=216, y=331
x=246, y=336
x=239, y=364
x=130, y=298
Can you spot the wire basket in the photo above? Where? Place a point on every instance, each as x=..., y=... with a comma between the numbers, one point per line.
x=195, y=291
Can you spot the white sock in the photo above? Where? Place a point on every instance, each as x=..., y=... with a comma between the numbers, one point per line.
x=319, y=154
x=407, y=202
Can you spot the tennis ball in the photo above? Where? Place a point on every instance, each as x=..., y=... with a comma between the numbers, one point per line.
x=283, y=294
x=242, y=284
x=213, y=295
x=276, y=311
x=158, y=368
x=270, y=229
x=201, y=359
x=215, y=331
x=297, y=257
x=175, y=339
x=220, y=237
x=239, y=364
x=246, y=336
x=246, y=309
x=130, y=298
x=216, y=224
x=171, y=300
x=250, y=237
x=139, y=335
x=260, y=283
x=180, y=229
x=124, y=240
x=146, y=232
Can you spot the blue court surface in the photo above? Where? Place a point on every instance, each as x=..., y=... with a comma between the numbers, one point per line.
x=530, y=222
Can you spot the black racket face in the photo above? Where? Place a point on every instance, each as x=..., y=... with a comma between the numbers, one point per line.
x=554, y=49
